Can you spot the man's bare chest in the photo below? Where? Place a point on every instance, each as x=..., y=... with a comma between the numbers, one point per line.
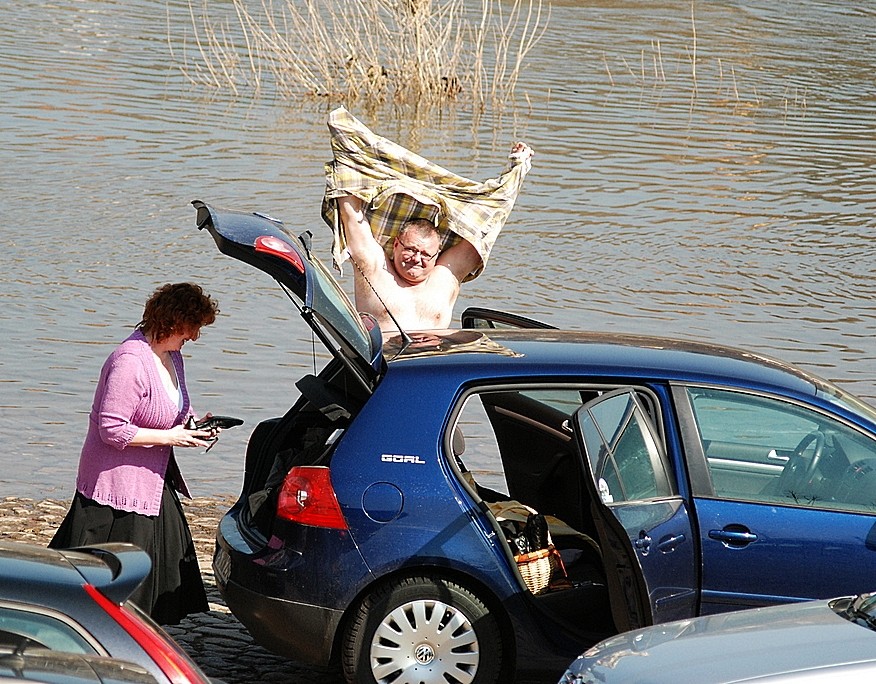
x=419, y=306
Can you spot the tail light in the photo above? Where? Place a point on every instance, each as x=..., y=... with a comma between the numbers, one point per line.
x=307, y=497
x=167, y=654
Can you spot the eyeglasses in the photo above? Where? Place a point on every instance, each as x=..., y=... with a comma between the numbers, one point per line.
x=409, y=252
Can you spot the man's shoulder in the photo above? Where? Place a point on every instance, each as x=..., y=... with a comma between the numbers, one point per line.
x=441, y=289
x=443, y=277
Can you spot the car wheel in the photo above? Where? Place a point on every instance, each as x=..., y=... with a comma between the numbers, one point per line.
x=423, y=630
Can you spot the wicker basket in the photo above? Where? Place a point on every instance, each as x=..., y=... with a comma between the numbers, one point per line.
x=537, y=568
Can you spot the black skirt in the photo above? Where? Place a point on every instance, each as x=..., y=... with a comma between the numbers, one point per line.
x=174, y=587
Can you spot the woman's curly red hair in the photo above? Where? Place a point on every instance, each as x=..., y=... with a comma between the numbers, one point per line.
x=177, y=308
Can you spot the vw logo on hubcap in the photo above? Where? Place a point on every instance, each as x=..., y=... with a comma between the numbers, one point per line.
x=424, y=654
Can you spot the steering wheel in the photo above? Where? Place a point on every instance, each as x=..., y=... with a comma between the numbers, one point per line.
x=816, y=436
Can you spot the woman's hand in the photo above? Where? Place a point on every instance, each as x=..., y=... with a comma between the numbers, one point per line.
x=179, y=436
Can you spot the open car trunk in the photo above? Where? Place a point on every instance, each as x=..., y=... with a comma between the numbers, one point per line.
x=305, y=435
x=352, y=338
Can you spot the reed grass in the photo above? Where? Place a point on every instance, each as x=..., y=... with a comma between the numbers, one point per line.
x=376, y=51
x=685, y=66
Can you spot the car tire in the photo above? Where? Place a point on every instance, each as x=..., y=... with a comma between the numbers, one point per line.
x=423, y=630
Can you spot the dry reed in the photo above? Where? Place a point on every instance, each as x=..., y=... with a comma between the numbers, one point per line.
x=371, y=51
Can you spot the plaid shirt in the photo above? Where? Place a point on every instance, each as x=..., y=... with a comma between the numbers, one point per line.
x=398, y=185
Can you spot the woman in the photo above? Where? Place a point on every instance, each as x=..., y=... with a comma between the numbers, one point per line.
x=126, y=488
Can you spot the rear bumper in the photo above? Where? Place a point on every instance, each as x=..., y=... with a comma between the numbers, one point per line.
x=297, y=631
x=290, y=592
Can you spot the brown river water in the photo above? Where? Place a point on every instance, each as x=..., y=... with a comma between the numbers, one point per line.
x=702, y=170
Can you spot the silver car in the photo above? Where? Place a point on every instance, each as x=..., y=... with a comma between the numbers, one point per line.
x=813, y=641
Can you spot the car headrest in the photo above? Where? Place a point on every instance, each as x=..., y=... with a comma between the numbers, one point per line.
x=457, y=442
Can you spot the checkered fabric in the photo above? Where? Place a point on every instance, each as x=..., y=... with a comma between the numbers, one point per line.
x=398, y=185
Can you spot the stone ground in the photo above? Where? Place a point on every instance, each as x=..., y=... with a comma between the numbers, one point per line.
x=215, y=640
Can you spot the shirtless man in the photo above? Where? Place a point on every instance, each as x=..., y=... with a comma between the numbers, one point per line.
x=419, y=284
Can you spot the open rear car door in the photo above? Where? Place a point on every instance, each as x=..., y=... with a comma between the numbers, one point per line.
x=643, y=526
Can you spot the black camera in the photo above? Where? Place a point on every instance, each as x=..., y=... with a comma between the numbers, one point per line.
x=212, y=423
x=221, y=422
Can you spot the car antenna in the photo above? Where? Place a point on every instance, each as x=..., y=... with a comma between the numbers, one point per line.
x=406, y=339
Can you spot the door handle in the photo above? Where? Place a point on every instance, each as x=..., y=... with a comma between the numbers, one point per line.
x=735, y=536
x=669, y=544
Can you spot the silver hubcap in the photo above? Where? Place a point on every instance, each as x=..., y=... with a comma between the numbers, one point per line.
x=425, y=642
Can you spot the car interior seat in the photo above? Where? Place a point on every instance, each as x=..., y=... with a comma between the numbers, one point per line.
x=857, y=486
x=505, y=508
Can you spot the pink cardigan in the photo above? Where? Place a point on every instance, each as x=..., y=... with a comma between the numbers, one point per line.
x=130, y=395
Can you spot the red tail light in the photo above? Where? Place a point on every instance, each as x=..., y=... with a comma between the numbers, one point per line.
x=169, y=657
x=307, y=497
x=275, y=246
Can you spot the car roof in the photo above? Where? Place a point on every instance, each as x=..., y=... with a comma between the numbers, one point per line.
x=544, y=351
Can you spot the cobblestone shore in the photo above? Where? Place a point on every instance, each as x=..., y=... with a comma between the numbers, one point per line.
x=215, y=640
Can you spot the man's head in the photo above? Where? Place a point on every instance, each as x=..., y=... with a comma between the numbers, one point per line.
x=415, y=250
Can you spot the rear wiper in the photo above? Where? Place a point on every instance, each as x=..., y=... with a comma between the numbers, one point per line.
x=862, y=610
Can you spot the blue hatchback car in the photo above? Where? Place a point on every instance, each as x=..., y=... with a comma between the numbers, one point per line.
x=479, y=505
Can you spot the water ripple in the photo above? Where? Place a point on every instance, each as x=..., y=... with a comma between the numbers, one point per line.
x=730, y=198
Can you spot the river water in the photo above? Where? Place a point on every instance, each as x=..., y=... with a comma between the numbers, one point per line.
x=702, y=170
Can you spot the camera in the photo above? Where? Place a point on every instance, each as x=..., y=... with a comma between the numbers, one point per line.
x=221, y=422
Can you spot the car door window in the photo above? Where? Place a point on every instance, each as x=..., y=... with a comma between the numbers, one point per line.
x=643, y=525
x=765, y=449
x=625, y=459
x=476, y=317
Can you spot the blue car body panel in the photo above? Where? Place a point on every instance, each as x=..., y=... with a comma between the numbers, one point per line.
x=795, y=554
x=661, y=530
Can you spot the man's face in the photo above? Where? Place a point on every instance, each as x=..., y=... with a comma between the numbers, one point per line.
x=414, y=256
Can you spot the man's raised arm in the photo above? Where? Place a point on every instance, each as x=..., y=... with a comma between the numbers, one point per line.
x=463, y=258
x=364, y=249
